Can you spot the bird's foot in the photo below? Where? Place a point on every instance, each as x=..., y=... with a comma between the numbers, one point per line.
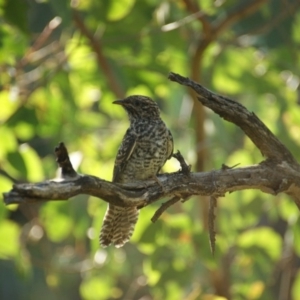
x=159, y=183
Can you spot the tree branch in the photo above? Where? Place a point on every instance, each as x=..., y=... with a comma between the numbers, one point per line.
x=265, y=177
x=101, y=59
x=278, y=174
x=238, y=14
x=194, y=8
x=211, y=223
x=236, y=113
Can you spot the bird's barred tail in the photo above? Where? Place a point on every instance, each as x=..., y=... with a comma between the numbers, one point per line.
x=118, y=225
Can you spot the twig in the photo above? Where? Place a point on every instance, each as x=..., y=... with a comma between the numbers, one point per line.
x=193, y=7
x=101, y=59
x=63, y=160
x=186, y=169
x=238, y=14
x=211, y=223
x=40, y=40
x=163, y=207
x=236, y=113
x=225, y=167
x=8, y=176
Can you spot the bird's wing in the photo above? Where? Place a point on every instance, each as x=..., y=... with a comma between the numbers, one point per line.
x=170, y=145
x=125, y=150
x=170, y=148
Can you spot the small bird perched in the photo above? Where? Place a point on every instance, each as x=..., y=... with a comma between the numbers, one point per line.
x=146, y=146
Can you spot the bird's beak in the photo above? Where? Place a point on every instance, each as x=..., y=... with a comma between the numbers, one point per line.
x=120, y=102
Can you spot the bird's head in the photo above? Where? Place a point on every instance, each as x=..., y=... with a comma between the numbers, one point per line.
x=139, y=107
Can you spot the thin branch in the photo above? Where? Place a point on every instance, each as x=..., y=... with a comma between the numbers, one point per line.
x=8, y=176
x=101, y=59
x=211, y=223
x=275, y=21
x=236, y=113
x=63, y=160
x=163, y=207
x=185, y=169
x=217, y=29
x=182, y=22
x=237, y=15
x=41, y=40
x=210, y=33
x=194, y=8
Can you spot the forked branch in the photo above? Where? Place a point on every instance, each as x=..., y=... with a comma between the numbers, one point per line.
x=278, y=173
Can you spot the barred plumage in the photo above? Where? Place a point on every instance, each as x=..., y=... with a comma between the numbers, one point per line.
x=118, y=225
x=145, y=148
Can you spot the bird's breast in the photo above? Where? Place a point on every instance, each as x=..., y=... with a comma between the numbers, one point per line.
x=149, y=154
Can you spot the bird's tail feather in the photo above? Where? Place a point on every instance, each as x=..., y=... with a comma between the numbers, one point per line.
x=118, y=225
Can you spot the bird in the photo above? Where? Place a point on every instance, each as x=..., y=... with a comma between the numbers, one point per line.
x=146, y=146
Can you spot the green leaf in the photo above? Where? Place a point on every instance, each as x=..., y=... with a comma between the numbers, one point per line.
x=62, y=9
x=97, y=288
x=264, y=238
x=15, y=11
x=23, y=114
x=9, y=143
x=24, y=131
x=119, y=9
x=17, y=161
x=58, y=225
x=32, y=162
x=9, y=239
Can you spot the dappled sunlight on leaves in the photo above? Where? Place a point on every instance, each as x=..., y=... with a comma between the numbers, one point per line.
x=57, y=83
x=9, y=239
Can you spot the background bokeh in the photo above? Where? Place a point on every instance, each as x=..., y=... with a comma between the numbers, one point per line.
x=62, y=63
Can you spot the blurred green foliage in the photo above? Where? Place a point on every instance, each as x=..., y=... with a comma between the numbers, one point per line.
x=62, y=63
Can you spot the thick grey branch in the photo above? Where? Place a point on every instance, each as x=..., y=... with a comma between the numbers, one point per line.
x=279, y=173
x=265, y=177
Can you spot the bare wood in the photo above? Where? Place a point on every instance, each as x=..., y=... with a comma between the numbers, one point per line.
x=278, y=174
x=267, y=178
x=236, y=113
x=163, y=207
x=211, y=223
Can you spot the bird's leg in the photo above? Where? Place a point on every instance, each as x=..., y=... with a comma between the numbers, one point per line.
x=157, y=180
